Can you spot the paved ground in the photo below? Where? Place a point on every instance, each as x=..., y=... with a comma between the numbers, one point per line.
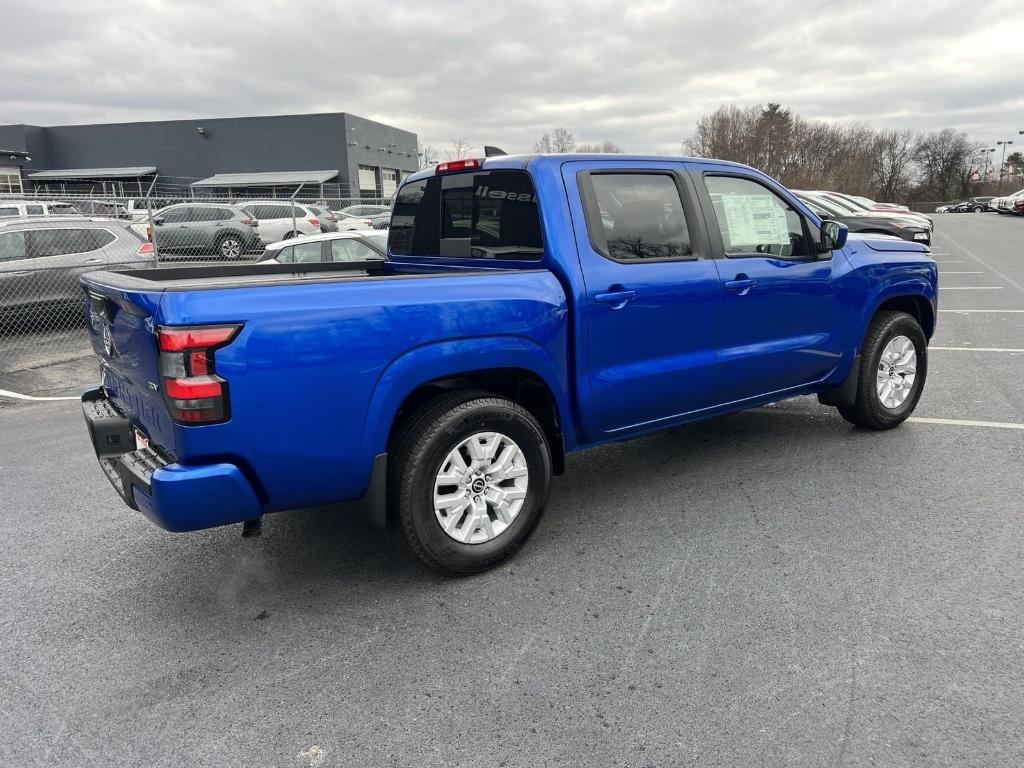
x=765, y=589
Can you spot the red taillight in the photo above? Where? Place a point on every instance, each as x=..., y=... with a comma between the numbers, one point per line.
x=146, y=249
x=457, y=165
x=179, y=339
x=250, y=222
x=194, y=393
x=315, y=222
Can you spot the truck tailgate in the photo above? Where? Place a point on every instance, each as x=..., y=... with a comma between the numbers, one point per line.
x=120, y=327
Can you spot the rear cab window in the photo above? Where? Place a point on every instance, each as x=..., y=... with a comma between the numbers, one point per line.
x=476, y=215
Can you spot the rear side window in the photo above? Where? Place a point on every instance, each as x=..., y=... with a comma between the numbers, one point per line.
x=61, y=242
x=102, y=237
x=12, y=246
x=307, y=253
x=62, y=209
x=8, y=210
x=486, y=215
x=637, y=217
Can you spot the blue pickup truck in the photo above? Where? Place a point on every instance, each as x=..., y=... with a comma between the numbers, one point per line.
x=529, y=306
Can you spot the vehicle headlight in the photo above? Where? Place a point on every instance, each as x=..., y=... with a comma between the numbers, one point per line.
x=920, y=235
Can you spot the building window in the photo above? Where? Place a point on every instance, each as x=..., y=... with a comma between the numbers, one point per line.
x=10, y=181
x=389, y=181
x=368, y=181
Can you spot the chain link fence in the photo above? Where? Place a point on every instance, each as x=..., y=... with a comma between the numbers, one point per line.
x=47, y=243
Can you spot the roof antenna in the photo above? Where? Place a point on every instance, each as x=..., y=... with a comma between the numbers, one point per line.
x=490, y=151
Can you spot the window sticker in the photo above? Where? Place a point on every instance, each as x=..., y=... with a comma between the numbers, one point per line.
x=754, y=220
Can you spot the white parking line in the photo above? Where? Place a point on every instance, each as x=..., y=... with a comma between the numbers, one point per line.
x=966, y=423
x=971, y=288
x=985, y=264
x=16, y=396
x=983, y=311
x=976, y=349
x=948, y=272
x=951, y=261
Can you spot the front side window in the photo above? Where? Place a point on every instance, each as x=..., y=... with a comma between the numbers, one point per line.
x=638, y=217
x=12, y=246
x=350, y=249
x=485, y=215
x=754, y=220
x=8, y=210
x=176, y=215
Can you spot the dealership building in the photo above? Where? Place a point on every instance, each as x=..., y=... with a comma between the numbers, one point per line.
x=334, y=155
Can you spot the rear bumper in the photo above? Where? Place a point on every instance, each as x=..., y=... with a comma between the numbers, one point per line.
x=175, y=497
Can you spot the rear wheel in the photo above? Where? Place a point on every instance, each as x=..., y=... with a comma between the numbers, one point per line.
x=894, y=364
x=977, y=209
x=230, y=247
x=470, y=475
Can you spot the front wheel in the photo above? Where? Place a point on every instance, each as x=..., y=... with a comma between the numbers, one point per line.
x=977, y=209
x=470, y=476
x=894, y=364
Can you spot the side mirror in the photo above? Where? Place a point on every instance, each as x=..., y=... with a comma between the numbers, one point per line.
x=833, y=236
x=158, y=220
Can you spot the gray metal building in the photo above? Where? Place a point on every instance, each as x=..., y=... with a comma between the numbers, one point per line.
x=323, y=155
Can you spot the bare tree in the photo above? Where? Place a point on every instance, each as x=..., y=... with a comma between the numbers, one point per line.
x=943, y=156
x=427, y=154
x=458, y=149
x=557, y=141
x=895, y=151
x=604, y=147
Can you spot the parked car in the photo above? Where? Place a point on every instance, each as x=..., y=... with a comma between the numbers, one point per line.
x=974, y=205
x=942, y=209
x=328, y=221
x=109, y=209
x=867, y=222
x=331, y=247
x=214, y=229
x=41, y=258
x=22, y=208
x=1005, y=204
x=869, y=204
x=856, y=207
x=281, y=219
x=360, y=216
x=529, y=307
x=1018, y=206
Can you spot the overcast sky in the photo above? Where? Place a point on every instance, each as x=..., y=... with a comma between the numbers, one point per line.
x=638, y=73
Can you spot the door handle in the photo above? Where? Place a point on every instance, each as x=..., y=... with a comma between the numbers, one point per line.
x=93, y=261
x=741, y=285
x=618, y=299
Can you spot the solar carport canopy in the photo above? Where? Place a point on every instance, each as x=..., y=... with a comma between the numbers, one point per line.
x=266, y=179
x=87, y=174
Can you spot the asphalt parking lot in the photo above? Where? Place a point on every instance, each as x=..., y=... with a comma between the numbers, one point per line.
x=769, y=588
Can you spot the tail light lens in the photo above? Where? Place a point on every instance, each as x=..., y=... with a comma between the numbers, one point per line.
x=195, y=394
x=146, y=249
x=250, y=222
x=315, y=222
x=458, y=165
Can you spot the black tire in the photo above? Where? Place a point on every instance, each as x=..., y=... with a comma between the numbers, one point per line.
x=417, y=454
x=226, y=250
x=977, y=209
x=290, y=235
x=868, y=410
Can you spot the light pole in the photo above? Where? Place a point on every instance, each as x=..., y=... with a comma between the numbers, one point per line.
x=1002, y=162
x=984, y=159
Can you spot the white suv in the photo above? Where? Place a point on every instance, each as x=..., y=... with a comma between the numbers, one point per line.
x=276, y=220
x=22, y=208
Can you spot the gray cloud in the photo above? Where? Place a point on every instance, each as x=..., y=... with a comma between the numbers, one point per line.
x=639, y=73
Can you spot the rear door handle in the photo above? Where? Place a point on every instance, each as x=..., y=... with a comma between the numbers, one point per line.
x=617, y=299
x=93, y=261
x=741, y=286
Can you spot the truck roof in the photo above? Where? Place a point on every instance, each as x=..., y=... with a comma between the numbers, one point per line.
x=521, y=162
